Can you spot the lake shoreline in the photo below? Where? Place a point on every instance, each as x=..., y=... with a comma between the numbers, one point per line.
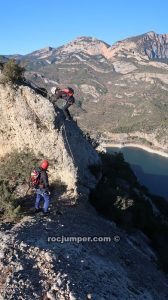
x=143, y=147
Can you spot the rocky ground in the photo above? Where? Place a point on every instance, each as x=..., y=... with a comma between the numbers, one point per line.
x=33, y=268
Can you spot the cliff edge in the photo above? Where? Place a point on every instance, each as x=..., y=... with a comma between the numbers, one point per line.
x=30, y=122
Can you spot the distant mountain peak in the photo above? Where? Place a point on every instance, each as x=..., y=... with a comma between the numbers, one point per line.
x=44, y=50
x=154, y=34
x=150, y=45
x=84, y=37
x=42, y=53
x=87, y=44
x=151, y=33
x=87, y=39
x=47, y=49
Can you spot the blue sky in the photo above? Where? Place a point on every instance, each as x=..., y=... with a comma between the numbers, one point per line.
x=28, y=25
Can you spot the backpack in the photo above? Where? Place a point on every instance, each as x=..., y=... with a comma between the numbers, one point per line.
x=35, y=178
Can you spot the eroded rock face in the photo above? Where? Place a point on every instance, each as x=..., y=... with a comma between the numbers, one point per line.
x=155, y=45
x=88, y=45
x=29, y=121
x=149, y=46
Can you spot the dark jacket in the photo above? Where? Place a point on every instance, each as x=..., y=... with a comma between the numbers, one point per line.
x=43, y=185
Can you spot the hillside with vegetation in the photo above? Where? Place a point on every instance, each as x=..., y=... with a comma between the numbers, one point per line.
x=119, y=89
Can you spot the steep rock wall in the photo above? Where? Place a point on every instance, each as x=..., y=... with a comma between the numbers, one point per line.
x=29, y=121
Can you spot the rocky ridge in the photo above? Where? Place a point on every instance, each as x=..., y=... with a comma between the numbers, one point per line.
x=147, y=46
x=29, y=122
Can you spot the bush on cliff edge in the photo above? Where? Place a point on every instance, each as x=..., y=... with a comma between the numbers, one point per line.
x=12, y=71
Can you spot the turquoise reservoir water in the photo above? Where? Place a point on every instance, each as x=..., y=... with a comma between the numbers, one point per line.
x=151, y=169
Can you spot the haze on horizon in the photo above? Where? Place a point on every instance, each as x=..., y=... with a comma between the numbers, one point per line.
x=30, y=25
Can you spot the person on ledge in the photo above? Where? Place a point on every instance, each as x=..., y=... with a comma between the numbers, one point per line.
x=66, y=94
x=42, y=187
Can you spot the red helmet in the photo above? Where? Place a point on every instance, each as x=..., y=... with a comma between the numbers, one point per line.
x=44, y=164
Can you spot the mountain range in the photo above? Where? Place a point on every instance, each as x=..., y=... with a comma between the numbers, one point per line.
x=121, y=90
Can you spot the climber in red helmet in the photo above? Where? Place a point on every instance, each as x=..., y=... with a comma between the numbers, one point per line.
x=66, y=94
x=42, y=187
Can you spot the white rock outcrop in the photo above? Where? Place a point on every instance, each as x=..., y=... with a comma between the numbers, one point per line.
x=29, y=121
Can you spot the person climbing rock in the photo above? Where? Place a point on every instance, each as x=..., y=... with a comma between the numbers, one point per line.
x=39, y=179
x=66, y=94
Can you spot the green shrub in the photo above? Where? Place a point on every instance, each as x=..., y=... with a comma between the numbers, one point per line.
x=14, y=171
x=13, y=72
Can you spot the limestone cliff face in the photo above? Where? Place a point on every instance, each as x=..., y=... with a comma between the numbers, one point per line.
x=146, y=46
x=29, y=121
x=88, y=45
x=149, y=45
x=154, y=45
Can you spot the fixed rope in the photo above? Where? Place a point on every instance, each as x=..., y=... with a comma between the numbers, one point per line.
x=68, y=142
